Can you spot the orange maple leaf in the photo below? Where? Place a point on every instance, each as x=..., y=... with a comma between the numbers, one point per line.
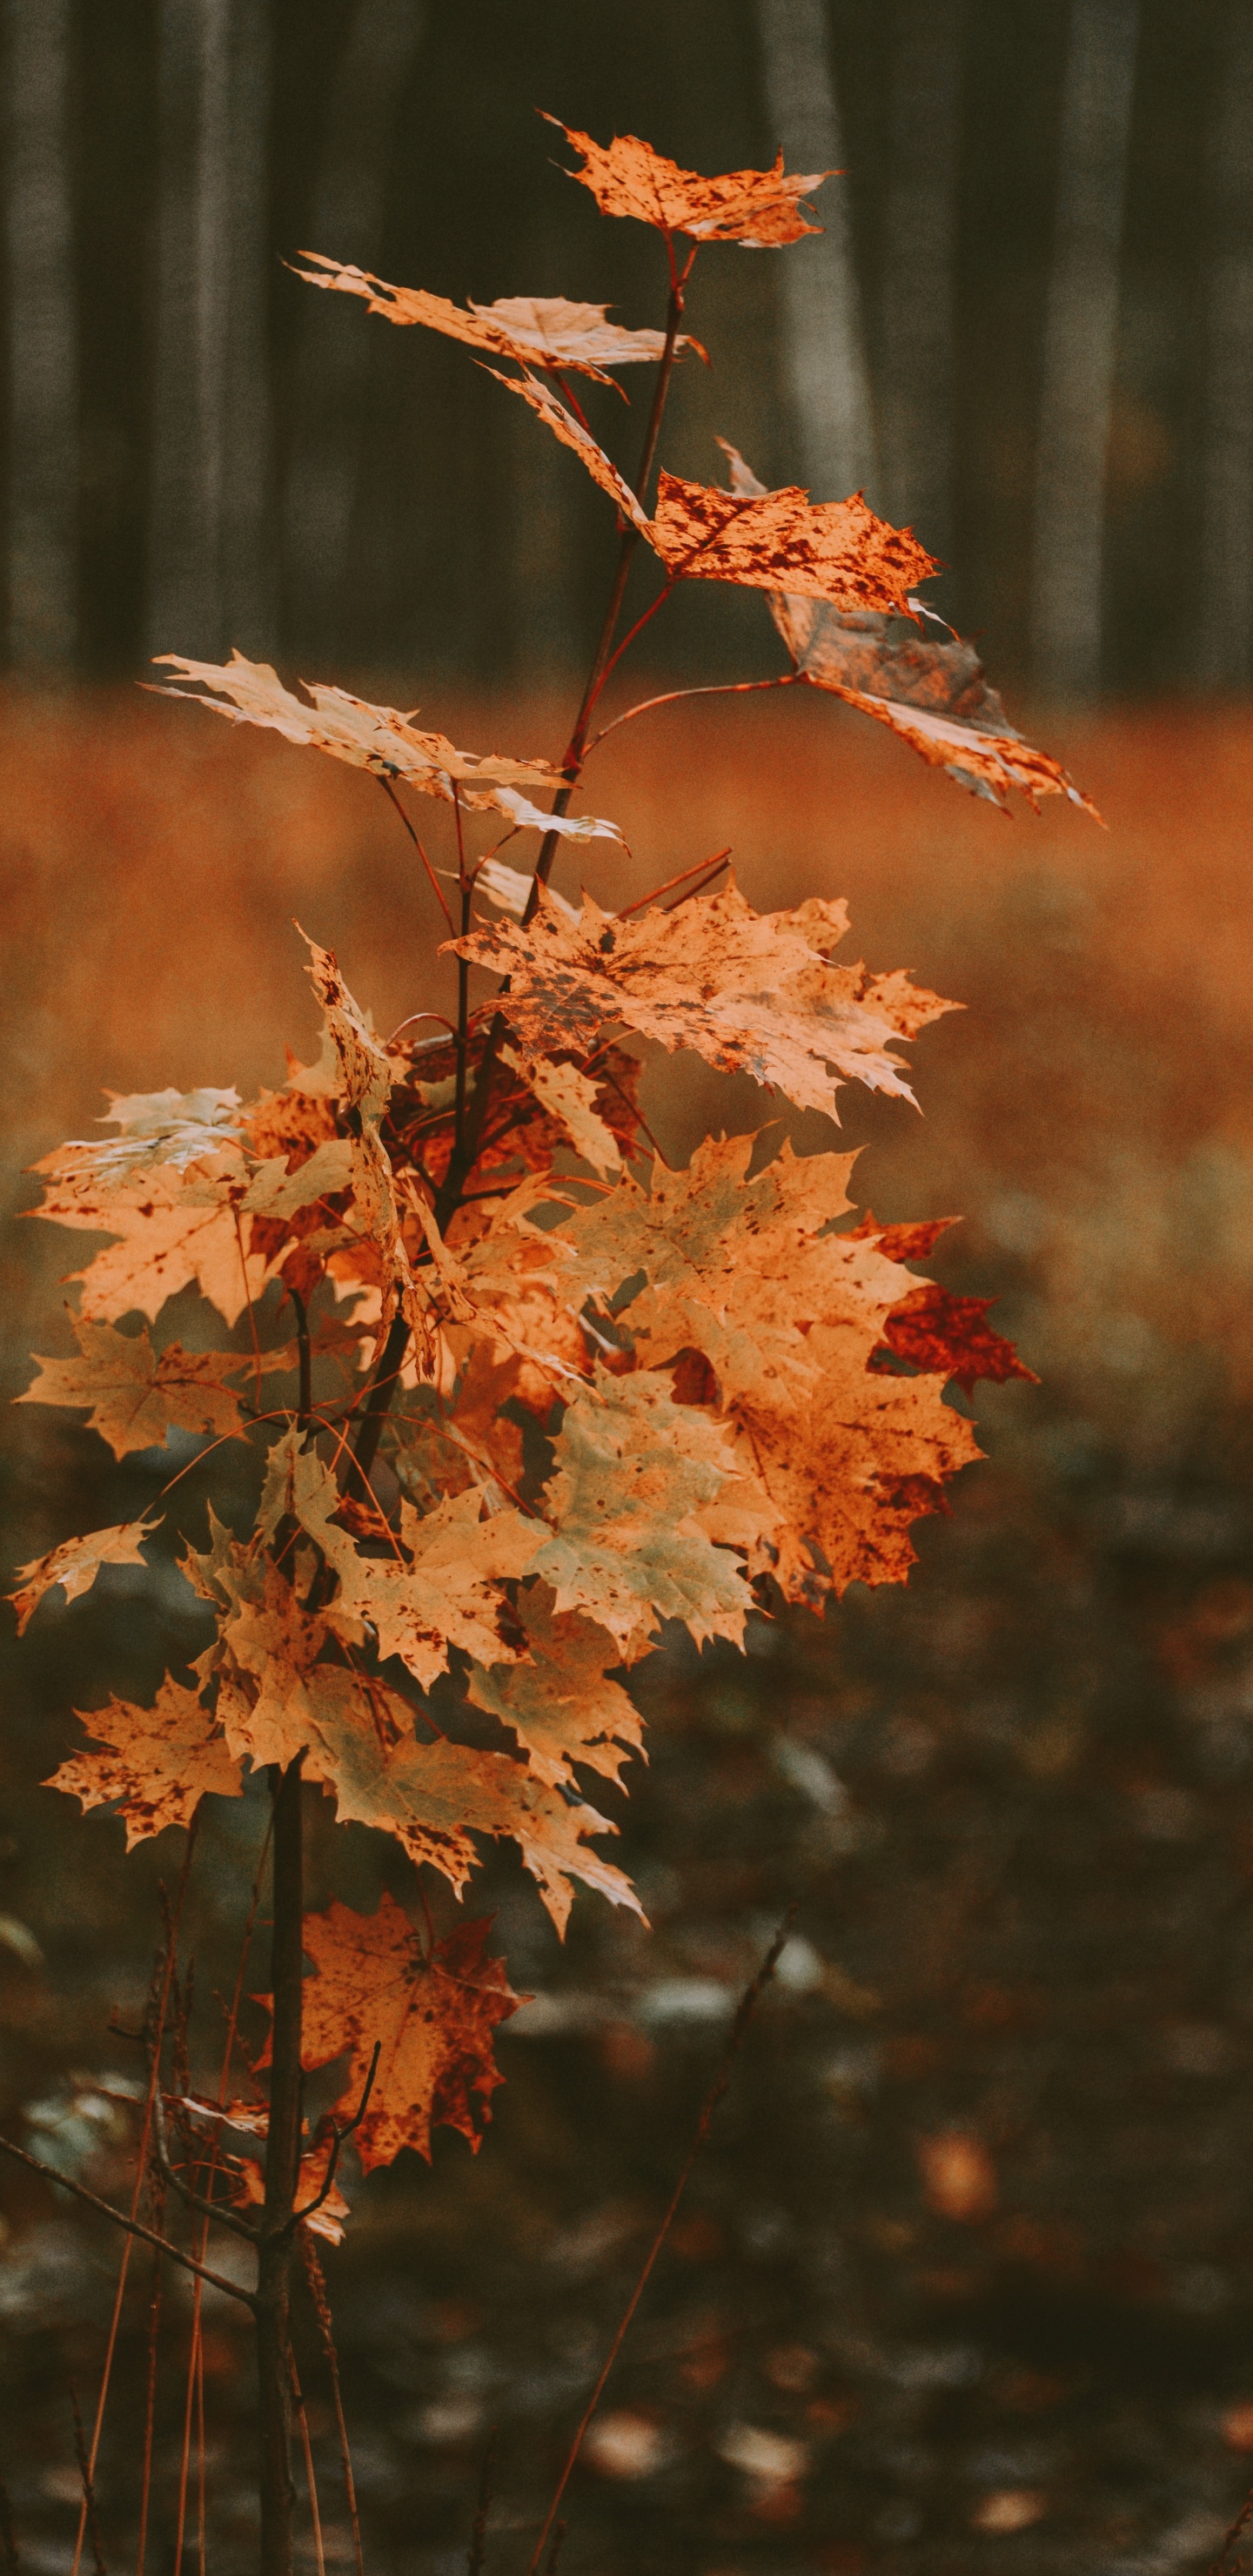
x=380, y=739
x=76, y=1563
x=133, y=1395
x=831, y=550
x=158, y=1762
x=936, y=696
x=760, y=209
x=431, y=2014
x=750, y=992
x=558, y=1697
x=535, y=330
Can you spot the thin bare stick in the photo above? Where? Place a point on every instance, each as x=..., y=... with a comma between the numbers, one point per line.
x=668, y=697
x=317, y=2292
x=559, y=2542
x=714, y=869
x=311, y=2484
x=141, y=2175
x=342, y=2129
x=393, y=799
x=8, y=2535
x=150, y=2395
x=132, y=2226
x=478, y=2535
x=258, y=1371
x=699, y=869
x=747, y=2006
x=89, y=2492
x=572, y=762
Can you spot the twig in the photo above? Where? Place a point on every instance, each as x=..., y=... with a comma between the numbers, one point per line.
x=747, y=2006
x=89, y=2492
x=133, y=2227
x=713, y=689
x=307, y=2448
x=698, y=869
x=150, y=2392
x=8, y=2535
x=195, y=2200
x=317, y=2292
x=390, y=792
x=478, y=2535
x=559, y=2540
x=341, y=2131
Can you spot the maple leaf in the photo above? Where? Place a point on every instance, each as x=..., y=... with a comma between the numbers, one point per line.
x=909, y=1242
x=632, y=1471
x=951, y=1338
x=750, y=992
x=76, y=1563
x=158, y=1762
x=133, y=1395
x=432, y=2018
x=558, y=1698
x=377, y=738
x=173, y=1127
x=247, y=2180
x=935, y=695
x=433, y=1798
x=760, y=209
x=536, y=330
x=172, y=1226
x=832, y=550
x=788, y=1313
x=570, y=1098
x=572, y=433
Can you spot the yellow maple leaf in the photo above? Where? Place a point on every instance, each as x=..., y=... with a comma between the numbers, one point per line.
x=558, y=1697
x=132, y=1394
x=157, y=1762
x=76, y=1563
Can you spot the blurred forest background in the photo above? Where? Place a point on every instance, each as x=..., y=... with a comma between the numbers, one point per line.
x=965, y=2279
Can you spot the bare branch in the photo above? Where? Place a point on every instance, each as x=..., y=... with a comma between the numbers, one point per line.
x=132, y=2226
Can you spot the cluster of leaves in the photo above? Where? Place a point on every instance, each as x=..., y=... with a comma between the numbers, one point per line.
x=533, y=1393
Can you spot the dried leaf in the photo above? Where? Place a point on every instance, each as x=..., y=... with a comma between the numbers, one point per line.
x=572, y=433
x=760, y=209
x=751, y=993
x=558, y=1697
x=432, y=2018
x=159, y=1762
x=535, y=330
x=832, y=550
x=633, y=1470
x=174, y=1226
x=134, y=1395
x=174, y=1127
x=247, y=2177
x=377, y=738
x=570, y=1098
x=936, y=696
x=950, y=1337
x=76, y=1563
x=837, y=1460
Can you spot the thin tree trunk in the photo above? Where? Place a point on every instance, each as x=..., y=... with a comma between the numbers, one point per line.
x=1225, y=643
x=916, y=376
x=333, y=358
x=1080, y=341
x=828, y=383
x=282, y=2174
x=208, y=543
x=43, y=363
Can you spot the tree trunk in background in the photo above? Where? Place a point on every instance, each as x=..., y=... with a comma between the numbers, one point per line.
x=1225, y=643
x=1080, y=340
x=43, y=376
x=332, y=366
x=916, y=381
x=824, y=351
x=209, y=584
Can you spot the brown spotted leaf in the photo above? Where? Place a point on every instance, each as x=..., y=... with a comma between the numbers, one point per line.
x=557, y=1697
x=157, y=1762
x=828, y=550
x=936, y=696
x=431, y=2016
x=950, y=1337
x=760, y=209
x=133, y=1395
x=572, y=434
x=751, y=992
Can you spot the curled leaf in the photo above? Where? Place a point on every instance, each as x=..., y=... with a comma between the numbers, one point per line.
x=534, y=330
x=76, y=1563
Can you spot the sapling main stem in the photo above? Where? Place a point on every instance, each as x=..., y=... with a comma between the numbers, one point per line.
x=282, y=2176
